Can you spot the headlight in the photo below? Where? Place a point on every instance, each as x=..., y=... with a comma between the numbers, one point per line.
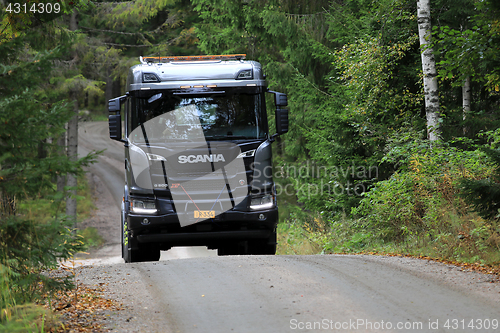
x=149, y=77
x=143, y=207
x=155, y=157
x=249, y=153
x=245, y=74
x=262, y=202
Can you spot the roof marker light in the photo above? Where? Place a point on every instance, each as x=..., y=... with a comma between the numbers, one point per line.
x=146, y=60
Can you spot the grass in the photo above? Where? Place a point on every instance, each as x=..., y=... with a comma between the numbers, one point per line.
x=91, y=238
x=43, y=209
x=464, y=239
x=292, y=239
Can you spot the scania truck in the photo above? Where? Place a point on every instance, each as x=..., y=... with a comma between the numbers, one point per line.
x=198, y=160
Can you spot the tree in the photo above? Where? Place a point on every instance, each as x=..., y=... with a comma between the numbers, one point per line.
x=431, y=91
x=72, y=137
x=466, y=41
x=32, y=117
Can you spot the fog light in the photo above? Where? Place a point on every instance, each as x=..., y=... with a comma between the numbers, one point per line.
x=145, y=222
x=262, y=217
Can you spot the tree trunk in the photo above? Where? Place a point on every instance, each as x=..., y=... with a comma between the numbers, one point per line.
x=61, y=180
x=466, y=100
x=73, y=156
x=108, y=92
x=117, y=88
x=429, y=70
x=71, y=181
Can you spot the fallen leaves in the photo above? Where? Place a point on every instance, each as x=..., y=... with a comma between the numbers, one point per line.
x=81, y=310
x=475, y=267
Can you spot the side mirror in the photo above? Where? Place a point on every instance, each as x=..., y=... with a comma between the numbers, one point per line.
x=280, y=99
x=281, y=121
x=114, y=105
x=115, y=120
x=115, y=127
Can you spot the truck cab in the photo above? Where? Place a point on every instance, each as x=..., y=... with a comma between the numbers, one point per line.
x=198, y=156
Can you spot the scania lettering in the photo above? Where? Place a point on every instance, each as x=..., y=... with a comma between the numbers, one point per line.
x=201, y=158
x=197, y=156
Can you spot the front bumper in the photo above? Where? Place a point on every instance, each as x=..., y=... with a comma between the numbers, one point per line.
x=231, y=225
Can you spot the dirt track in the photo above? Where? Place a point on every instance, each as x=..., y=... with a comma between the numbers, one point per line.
x=205, y=293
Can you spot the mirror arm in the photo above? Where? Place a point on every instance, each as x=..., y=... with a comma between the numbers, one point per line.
x=273, y=137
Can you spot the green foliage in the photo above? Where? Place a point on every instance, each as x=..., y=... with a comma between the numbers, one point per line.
x=29, y=161
x=468, y=46
x=419, y=208
x=28, y=247
x=134, y=13
x=16, y=22
x=412, y=202
x=352, y=72
x=302, y=233
x=483, y=194
x=32, y=117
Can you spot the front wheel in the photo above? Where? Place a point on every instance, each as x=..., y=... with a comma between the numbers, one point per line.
x=263, y=246
x=145, y=252
x=128, y=254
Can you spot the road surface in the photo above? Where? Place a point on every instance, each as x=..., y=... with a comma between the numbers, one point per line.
x=193, y=290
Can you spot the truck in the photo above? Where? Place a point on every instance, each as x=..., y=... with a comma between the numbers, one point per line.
x=198, y=158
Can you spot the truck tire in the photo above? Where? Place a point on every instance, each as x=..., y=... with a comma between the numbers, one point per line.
x=149, y=252
x=252, y=247
x=145, y=252
x=128, y=254
x=228, y=249
x=263, y=246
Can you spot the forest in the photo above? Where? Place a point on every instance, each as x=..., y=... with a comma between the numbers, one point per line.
x=385, y=153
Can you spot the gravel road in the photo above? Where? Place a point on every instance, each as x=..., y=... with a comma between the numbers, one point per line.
x=193, y=290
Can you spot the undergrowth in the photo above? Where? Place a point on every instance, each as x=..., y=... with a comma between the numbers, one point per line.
x=419, y=210
x=32, y=242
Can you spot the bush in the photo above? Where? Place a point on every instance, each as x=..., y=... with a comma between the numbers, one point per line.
x=27, y=249
x=420, y=207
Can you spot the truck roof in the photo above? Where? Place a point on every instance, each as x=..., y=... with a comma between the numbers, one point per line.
x=195, y=72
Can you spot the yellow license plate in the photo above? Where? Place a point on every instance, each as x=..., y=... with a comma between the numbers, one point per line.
x=204, y=214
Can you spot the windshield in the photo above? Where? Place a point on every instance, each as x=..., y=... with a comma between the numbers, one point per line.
x=164, y=116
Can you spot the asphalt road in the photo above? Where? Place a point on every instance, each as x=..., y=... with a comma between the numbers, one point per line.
x=193, y=290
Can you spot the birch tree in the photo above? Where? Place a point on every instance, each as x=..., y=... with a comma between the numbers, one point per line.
x=431, y=91
x=466, y=99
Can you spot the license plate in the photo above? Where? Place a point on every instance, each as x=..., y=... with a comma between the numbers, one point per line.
x=204, y=214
